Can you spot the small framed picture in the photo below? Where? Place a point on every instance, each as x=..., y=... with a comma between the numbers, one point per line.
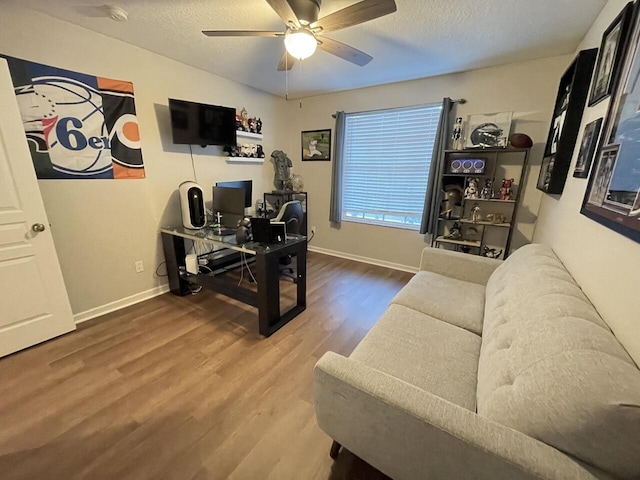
x=316, y=145
x=611, y=50
x=587, y=149
x=602, y=175
x=488, y=131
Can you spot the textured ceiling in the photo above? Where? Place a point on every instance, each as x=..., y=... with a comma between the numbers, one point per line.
x=423, y=38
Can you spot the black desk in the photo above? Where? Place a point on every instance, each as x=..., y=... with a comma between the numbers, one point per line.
x=267, y=273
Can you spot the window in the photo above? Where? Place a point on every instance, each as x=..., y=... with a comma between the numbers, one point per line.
x=387, y=156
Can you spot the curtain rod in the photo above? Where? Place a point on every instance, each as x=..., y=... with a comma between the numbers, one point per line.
x=461, y=101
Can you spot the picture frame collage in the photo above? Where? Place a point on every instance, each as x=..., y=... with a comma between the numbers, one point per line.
x=612, y=196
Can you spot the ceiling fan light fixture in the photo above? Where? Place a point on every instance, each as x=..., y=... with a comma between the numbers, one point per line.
x=300, y=43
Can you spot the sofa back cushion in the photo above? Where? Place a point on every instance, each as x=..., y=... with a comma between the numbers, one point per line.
x=551, y=368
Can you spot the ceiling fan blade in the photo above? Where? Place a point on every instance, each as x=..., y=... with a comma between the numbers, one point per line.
x=346, y=52
x=241, y=33
x=286, y=62
x=284, y=11
x=357, y=13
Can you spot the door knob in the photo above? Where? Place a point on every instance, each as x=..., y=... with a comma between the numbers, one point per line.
x=38, y=227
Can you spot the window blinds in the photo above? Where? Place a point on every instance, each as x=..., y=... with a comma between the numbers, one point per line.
x=387, y=155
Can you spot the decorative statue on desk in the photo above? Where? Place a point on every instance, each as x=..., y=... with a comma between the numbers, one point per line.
x=282, y=165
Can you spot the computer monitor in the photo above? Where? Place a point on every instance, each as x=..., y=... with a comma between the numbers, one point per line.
x=246, y=185
x=230, y=203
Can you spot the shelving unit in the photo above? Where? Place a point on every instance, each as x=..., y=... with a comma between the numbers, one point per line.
x=252, y=136
x=499, y=163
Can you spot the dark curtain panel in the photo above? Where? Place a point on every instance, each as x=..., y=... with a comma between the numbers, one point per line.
x=335, y=207
x=431, y=206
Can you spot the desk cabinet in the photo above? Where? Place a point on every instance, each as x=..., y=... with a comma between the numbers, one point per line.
x=273, y=202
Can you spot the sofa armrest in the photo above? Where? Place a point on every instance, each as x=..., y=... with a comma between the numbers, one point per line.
x=408, y=433
x=461, y=266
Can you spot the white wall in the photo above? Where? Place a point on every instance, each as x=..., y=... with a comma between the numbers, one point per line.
x=528, y=89
x=605, y=263
x=101, y=227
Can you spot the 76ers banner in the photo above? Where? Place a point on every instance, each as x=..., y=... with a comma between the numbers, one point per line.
x=77, y=125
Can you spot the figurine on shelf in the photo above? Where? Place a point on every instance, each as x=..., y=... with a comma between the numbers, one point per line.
x=505, y=189
x=248, y=150
x=491, y=252
x=259, y=151
x=231, y=151
x=456, y=135
x=252, y=125
x=244, y=120
x=496, y=218
x=487, y=191
x=475, y=213
x=455, y=232
x=452, y=198
x=471, y=192
x=259, y=126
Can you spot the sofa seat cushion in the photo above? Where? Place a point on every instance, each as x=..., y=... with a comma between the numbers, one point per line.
x=423, y=351
x=551, y=368
x=453, y=301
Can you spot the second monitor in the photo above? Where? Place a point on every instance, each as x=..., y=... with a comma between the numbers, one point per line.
x=246, y=185
x=229, y=202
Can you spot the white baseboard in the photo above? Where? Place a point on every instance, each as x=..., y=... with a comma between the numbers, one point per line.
x=154, y=292
x=358, y=258
x=118, y=304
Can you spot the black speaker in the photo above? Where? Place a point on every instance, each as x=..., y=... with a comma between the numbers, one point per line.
x=192, y=205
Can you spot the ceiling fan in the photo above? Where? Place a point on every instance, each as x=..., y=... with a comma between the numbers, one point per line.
x=304, y=32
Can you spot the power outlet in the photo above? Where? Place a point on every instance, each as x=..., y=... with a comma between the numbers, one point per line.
x=139, y=266
x=313, y=230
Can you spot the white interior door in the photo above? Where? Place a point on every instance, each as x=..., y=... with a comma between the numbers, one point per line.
x=34, y=306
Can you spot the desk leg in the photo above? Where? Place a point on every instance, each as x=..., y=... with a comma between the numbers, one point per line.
x=174, y=253
x=268, y=278
x=301, y=272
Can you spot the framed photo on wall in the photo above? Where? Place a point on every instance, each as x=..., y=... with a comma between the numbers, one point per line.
x=587, y=148
x=610, y=55
x=612, y=197
x=488, y=130
x=316, y=145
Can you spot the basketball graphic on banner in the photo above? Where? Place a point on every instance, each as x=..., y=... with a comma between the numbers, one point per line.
x=77, y=125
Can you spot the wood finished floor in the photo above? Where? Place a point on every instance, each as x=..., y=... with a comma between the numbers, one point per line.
x=184, y=388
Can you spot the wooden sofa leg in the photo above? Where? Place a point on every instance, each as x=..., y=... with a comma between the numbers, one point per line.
x=335, y=449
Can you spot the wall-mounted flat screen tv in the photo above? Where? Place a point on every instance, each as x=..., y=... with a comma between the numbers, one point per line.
x=200, y=124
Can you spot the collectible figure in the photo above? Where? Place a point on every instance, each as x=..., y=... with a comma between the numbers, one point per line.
x=505, y=189
x=491, y=252
x=475, y=213
x=455, y=233
x=452, y=198
x=487, y=191
x=456, y=136
x=471, y=192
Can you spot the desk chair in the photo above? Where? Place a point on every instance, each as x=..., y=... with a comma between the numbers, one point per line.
x=291, y=214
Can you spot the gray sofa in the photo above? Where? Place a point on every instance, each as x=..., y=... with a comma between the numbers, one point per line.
x=482, y=369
